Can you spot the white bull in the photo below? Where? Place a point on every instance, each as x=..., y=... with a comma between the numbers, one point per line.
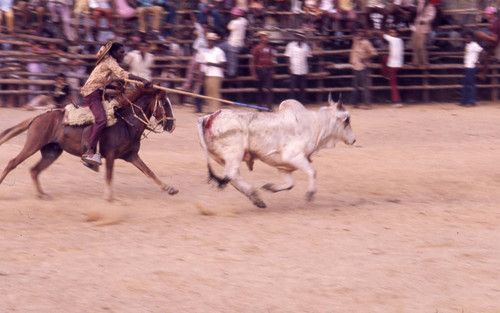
x=286, y=140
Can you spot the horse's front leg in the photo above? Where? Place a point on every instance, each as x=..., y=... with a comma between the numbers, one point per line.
x=137, y=162
x=108, y=189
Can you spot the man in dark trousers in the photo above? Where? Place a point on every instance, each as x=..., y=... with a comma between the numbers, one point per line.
x=262, y=69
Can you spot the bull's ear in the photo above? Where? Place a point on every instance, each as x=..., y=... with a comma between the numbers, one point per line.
x=339, y=104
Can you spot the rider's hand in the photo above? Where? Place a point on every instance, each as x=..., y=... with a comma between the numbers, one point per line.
x=147, y=83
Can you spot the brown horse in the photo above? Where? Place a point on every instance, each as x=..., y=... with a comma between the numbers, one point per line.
x=51, y=137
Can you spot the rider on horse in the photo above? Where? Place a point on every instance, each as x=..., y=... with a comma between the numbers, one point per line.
x=108, y=58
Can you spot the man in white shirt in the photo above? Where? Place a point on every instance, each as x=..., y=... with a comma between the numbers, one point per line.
x=391, y=64
x=140, y=61
x=473, y=53
x=236, y=40
x=213, y=61
x=297, y=52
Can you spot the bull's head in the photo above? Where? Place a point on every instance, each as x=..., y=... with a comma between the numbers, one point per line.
x=343, y=129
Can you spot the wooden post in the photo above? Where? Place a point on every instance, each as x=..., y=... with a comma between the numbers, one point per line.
x=494, y=89
x=425, y=84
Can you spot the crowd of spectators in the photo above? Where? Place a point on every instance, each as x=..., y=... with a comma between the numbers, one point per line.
x=152, y=28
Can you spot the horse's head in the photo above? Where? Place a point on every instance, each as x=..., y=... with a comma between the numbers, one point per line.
x=163, y=112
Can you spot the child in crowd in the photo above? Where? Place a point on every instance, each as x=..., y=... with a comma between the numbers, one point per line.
x=392, y=63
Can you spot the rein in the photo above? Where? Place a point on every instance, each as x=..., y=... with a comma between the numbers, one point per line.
x=147, y=121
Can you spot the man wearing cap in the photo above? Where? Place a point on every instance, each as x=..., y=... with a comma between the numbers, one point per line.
x=108, y=58
x=237, y=32
x=213, y=61
x=262, y=68
x=491, y=39
x=297, y=52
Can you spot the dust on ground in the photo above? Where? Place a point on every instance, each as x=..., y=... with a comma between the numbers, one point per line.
x=406, y=220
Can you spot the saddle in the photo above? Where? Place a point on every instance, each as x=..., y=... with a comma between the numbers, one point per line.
x=77, y=116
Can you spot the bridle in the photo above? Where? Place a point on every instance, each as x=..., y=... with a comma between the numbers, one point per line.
x=143, y=118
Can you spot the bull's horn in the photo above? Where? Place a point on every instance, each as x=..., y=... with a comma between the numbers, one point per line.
x=330, y=100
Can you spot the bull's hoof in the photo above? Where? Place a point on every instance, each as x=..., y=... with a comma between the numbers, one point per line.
x=310, y=196
x=268, y=187
x=260, y=204
x=171, y=190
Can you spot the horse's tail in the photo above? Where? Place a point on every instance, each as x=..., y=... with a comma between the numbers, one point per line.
x=12, y=132
x=203, y=123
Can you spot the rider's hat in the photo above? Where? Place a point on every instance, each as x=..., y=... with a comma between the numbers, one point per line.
x=103, y=52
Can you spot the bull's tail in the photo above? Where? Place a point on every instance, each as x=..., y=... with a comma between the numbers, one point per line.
x=12, y=132
x=202, y=122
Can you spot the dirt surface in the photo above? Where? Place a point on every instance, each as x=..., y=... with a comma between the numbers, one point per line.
x=406, y=220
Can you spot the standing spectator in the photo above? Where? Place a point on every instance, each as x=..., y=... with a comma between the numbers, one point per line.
x=361, y=53
x=140, y=61
x=232, y=47
x=60, y=11
x=262, y=69
x=26, y=8
x=150, y=7
x=213, y=61
x=7, y=12
x=194, y=76
x=473, y=53
x=257, y=12
x=392, y=63
x=75, y=74
x=490, y=39
x=297, y=52
x=426, y=13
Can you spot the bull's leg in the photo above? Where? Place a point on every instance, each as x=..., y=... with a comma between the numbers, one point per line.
x=137, y=162
x=50, y=153
x=302, y=163
x=232, y=171
x=288, y=182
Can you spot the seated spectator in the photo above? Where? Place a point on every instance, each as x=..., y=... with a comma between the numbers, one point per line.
x=404, y=11
x=81, y=11
x=29, y=9
x=312, y=15
x=256, y=13
x=150, y=7
x=211, y=8
x=60, y=11
x=346, y=13
x=58, y=97
x=7, y=12
x=489, y=39
x=328, y=16
x=101, y=8
x=170, y=18
x=382, y=7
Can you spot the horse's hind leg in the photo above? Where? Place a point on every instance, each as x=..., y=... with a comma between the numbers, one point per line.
x=28, y=150
x=50, y=153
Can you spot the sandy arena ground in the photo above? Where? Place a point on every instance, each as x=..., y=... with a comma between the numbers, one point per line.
x=406, y=220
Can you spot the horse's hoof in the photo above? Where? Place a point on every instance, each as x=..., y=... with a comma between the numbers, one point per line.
x=45, y=196
x=260, y=204
x=171, y=190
